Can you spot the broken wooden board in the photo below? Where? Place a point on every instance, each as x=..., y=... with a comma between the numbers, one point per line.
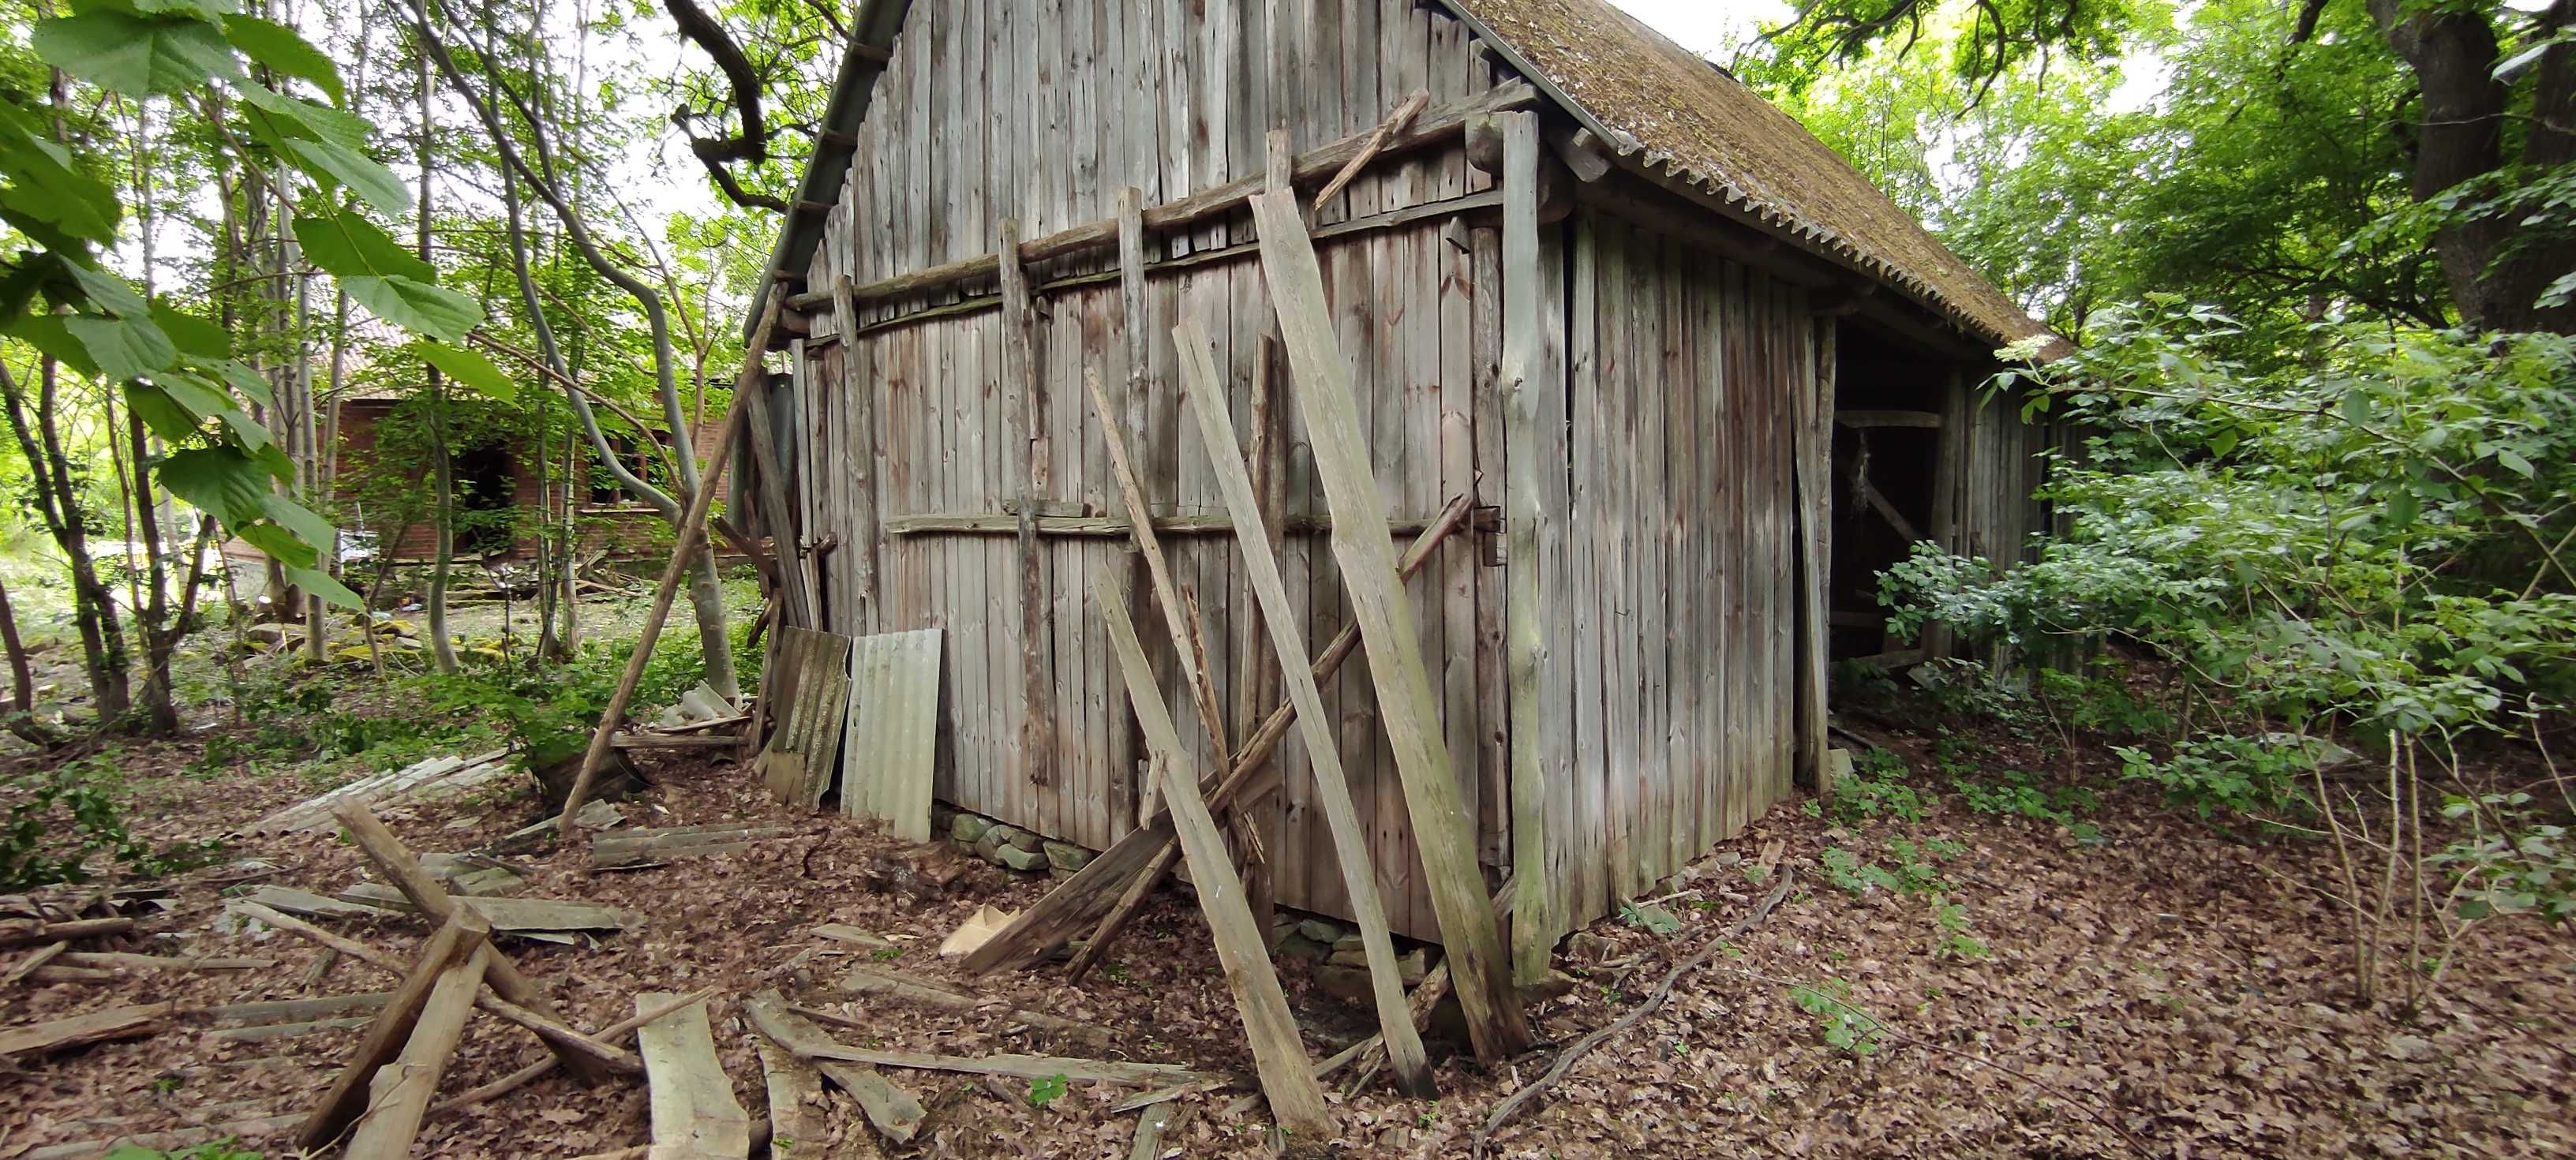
x=95, y=1027
x=694, y=1112
x=391, y=1029
x=891, y=1110
x=1020, y=1066
x=795, y=1091
x=1443, y=829
x=473, y=873
x=637, y=849
x=853, y=936
x=120, y=961
x=398, y=1097
x=595, y=814
x=919, y=992
x=893, y=731
x=290, y=1010
x=433, y=779
x=810, y=672
x=173, y=1141
x=507, y=915
x=272, y=1032
x=1242, y=946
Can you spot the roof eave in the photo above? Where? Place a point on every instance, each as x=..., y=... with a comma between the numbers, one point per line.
x=877, y=24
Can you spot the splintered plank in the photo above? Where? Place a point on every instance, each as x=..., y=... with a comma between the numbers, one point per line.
x=392, y=1028
x=694, y=1111
x=95, y=1027
x=1287, y=639
x=1528, y=526
x=1442, y=828
x=893, y=730
x=892, y=1111
x=1243, y=948
x=399, y=1095
x=812, y=683
x=311, y=905
x=795, y=1094
x=512, y=915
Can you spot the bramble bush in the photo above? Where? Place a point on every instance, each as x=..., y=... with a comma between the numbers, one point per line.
x=2368, y=541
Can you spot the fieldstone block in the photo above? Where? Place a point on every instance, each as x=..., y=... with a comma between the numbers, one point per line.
x=969, y=828
x=1019, y=859
x=1066, y=856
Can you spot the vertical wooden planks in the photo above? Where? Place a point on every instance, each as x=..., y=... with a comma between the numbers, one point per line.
x=1026, y=418
x=1585, y=848
x=1815, y=516
x=1136, y=320
x=1360, y=537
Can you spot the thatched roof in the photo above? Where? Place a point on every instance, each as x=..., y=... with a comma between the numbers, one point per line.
x=1663, y=108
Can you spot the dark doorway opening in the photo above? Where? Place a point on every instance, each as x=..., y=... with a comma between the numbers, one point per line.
x=1888, y=410
x=486, y=488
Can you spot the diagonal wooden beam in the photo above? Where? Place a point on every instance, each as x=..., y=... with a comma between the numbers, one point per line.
x=1332, y=784
x=1242, y=947
x=1442, y=831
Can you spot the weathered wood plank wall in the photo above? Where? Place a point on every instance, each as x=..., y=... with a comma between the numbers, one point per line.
x=1040, y=110
x=1675, y=683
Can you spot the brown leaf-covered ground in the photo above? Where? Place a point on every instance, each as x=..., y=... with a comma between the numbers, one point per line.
x=2168, y=992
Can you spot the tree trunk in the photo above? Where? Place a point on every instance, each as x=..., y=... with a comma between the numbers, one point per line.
x=2460, y=136
x=442, y=649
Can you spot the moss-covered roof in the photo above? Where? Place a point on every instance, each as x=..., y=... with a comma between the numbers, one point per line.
x=1663, y=108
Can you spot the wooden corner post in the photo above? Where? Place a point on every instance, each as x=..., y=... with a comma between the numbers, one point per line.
x=1442, y=829
x=1525, y=599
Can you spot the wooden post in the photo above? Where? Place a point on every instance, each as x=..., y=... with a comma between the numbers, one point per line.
x=1526, y=396
x=862, y=467
x=1136, y=798
x=1812, y=463
x=399, y=1097
x=1243, y=948
x=458, y=939
x=1443, y=831
x=689, y=537
x=1332, y=785
x=1024, y=407
x=1256, y=672
x=769, y=490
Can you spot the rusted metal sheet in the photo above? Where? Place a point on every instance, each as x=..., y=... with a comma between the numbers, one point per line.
x=812, y=684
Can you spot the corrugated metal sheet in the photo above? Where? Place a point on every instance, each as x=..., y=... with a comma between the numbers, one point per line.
x=812, y=685
x=891, y=749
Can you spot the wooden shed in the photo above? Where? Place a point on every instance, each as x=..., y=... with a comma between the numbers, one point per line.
x=1588, y=287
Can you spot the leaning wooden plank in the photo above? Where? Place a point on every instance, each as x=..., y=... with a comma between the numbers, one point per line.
x=395, y=861
x=887, y=769
x=1186, y=644
x=690, y=536
x=1525, y=602
x=1442, y=827
x=608, y=1057
x=458, y=940
x=399, y=1095
x=1143, y=856
x=1242, y=947
x=1370, y=1053
x=1323, y=750
x=814, y=678
x=891, y=1110
x=95, y=1027
x=694, y=1110
x=1376, y=141
x=897, y=985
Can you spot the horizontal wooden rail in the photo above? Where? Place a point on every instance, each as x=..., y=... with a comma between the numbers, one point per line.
x=1433, y=127
x=1489, y=201
x=1105, y=527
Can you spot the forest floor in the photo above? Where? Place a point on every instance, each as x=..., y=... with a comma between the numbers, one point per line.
x=2145, y=986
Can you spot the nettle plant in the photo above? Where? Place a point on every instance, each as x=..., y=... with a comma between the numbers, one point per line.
x=2370, y=542
x=177, y=371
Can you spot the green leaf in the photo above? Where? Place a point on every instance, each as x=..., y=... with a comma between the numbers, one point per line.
x=332, y=163
x=346, y=243
x=248, y=430
x=284, y=52
x=192, y=334
x=415, y=305
x=277, y=543
x=297, y=518
x=2356, y=408
x=45, y=186
x=220, y=481
x=134, y=54
x=166, y=417
x=1047, y=1089
x=112, y=293
x=320, y=583
x=2513, y=463
x=123, y=348
x=470, y=369
x=292, y=117
x=48, y=334
x=248, y=382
